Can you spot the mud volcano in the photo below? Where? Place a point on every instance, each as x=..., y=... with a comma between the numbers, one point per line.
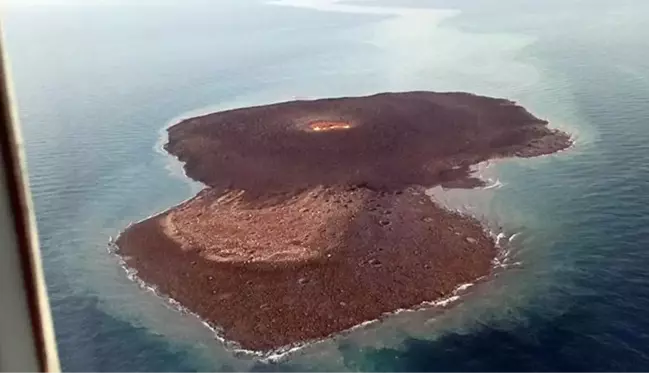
x=314, y=218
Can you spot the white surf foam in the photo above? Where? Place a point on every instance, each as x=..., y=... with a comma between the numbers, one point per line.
x=511, y=238
x=462, y=287
x=499, y=237
x=497, y=184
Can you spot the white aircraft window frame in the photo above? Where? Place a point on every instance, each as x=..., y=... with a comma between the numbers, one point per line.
x=27, y=341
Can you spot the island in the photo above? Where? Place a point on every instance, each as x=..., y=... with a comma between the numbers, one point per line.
x=314, y=216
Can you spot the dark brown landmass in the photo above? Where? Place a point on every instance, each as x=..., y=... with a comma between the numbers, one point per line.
x=314, y=218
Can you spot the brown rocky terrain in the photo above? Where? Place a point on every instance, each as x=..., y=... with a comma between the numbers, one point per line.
x=314, y=217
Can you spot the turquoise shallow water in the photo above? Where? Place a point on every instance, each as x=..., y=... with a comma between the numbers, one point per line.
x=96, y=83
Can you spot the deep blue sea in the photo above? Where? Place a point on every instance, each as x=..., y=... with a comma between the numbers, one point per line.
x=96, y=81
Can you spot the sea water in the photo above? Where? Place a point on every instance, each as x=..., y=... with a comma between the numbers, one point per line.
x=97, y=81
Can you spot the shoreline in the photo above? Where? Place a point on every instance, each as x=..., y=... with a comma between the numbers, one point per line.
x=206, y=193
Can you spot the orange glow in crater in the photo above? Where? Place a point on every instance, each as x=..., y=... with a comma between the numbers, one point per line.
x=323, y=126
